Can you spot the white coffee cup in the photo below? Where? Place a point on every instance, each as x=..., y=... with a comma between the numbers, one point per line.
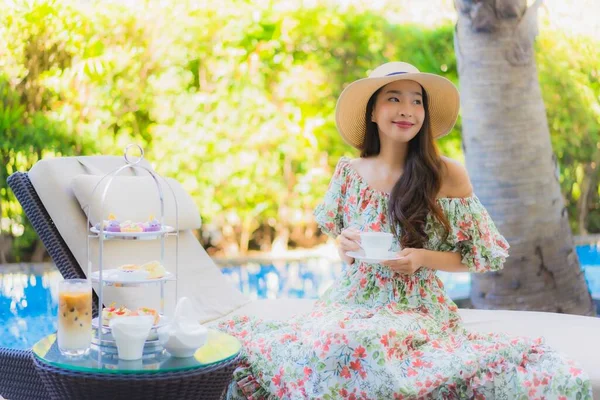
x=376, y=244
x=130, y=334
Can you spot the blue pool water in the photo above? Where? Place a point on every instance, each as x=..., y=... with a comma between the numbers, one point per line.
x=28, y=294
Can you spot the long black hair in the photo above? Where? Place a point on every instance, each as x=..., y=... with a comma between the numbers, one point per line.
x=414, y=195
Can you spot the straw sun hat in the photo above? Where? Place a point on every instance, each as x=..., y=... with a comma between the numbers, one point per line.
x=352, y=104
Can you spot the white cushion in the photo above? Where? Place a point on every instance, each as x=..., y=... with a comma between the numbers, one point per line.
x=574, y=336
x=198, y=276
x=135, y=198
x=274, y=309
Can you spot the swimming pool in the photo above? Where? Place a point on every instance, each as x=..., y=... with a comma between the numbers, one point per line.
x=28, y=294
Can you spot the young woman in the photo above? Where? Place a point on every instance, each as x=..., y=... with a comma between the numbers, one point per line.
x=386, y=329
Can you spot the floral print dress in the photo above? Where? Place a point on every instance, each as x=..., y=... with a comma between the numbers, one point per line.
x=377, y=334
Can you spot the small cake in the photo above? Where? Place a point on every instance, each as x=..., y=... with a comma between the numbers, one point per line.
x=148, y=311
x=131, y=272
x=111, y=312
x=152, y=225
x=155, y=269
x=129, y=226
x=130, y=267
x=112, y=226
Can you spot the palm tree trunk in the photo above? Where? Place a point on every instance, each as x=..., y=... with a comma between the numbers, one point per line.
x=509, y=156
x=39, y=252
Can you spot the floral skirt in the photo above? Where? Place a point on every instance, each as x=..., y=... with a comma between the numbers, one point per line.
x=394, y=352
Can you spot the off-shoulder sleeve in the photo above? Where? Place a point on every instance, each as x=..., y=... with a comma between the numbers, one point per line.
x=328, y=213
x=474, y=235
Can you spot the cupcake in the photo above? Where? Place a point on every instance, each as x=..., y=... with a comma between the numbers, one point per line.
x=130, y=267
x=152, y=225
x=131, y=272
x=112, y=226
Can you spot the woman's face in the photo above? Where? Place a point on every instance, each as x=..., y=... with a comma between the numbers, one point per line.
x=399, y=111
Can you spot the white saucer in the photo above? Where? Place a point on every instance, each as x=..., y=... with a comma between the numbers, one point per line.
x=361, y=257
x=114, y=276
x=162, y=321
x=140, y=235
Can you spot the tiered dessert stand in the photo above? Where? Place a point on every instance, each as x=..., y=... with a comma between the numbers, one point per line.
x=102, y=334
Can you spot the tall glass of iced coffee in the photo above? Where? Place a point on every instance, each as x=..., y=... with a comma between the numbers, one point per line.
x=74, y=316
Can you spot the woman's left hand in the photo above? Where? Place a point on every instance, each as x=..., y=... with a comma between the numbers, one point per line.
x=411, y=261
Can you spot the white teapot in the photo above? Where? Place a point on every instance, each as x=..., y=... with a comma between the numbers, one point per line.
x=184, y=335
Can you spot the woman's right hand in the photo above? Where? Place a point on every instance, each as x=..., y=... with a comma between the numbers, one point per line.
x=347, y=241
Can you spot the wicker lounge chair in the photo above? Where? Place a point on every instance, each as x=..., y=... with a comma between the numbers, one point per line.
x=19, y=379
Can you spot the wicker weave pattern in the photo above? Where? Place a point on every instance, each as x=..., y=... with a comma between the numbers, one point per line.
x=18, y=379
x=44, y=226
x=206, y=384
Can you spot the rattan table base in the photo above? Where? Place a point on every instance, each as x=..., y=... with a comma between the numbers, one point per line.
x=204, y=383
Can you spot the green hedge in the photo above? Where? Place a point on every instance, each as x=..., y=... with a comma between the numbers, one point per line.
x=235, y=101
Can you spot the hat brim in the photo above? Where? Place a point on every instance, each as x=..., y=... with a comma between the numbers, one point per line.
x=442, y=95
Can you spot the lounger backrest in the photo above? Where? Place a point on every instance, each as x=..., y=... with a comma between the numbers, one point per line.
x=198, y=276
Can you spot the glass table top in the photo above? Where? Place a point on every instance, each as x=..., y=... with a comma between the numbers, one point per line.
x=219, y=347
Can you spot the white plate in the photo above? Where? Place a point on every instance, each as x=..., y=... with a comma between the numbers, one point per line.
x=361, y=257
x=112, y=276
x=165, y=229
x=162, y=321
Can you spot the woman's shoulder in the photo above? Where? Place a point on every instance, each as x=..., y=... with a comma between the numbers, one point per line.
x=353, y=162
x=343, y=164
x=343, y=170
x=455, y=180
x=361, y=164
x=349, y=165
